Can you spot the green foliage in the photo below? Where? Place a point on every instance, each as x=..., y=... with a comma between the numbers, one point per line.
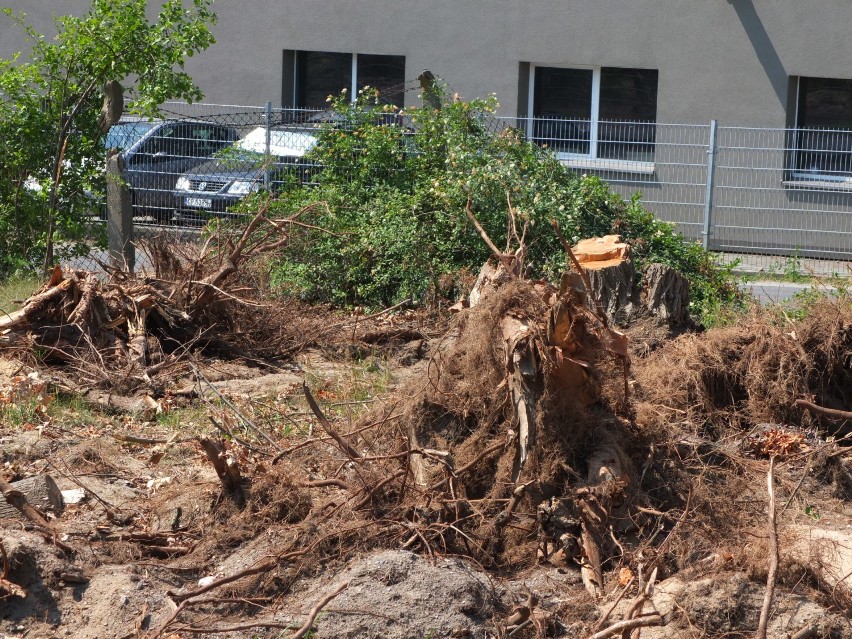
x=396, y=184
x=838, y=292
x=53, y=156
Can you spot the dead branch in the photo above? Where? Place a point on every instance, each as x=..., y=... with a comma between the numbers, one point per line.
x=255, y=569
x=609, y=610
x=573, y=258
x=135, y=439
x=324, y=483
x=200, y=377
x=36, y=303
x=312, y=615
x=825, y=412
x=497, y=253
x=773, y=553
x=369, y=496
x=491, y=449
x=108, y=508
x=389, y=309
x=643, y=621
x=345, y=446
x=246, y=247
x=202, y=630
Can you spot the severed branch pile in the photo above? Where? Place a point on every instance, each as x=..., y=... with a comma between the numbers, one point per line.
x=125, y=332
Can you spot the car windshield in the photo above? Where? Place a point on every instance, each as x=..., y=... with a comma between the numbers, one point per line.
x=282, y=142
x=124, y=134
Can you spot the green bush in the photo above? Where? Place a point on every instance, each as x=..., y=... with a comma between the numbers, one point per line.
x=395, y=224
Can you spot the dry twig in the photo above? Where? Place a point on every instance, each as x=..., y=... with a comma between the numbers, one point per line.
x=345, y=446
x=312, y=615
x=773, y=554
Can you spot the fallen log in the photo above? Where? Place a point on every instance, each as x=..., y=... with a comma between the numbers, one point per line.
x=39, y=491
x=18, y=500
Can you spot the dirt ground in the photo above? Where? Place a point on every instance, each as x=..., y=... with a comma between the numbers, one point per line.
x=152, y=541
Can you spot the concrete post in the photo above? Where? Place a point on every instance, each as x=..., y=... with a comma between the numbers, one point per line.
x=122, y=253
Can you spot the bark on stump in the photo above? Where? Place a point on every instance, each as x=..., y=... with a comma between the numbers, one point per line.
x=610, y=270
x=666, y=293
x=40, y=491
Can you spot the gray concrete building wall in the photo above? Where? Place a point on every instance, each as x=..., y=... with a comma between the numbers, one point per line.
x=724, y=59
x=731, y=60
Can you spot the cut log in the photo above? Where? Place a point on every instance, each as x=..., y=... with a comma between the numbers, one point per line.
x=40, y=492
x=665, y=293
x=607, y=262
x=19, y=503
x=144, y=405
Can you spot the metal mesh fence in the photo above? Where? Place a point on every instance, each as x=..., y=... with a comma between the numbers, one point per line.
x=769, y=194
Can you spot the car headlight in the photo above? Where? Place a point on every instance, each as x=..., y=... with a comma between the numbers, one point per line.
x=242, y=187
x=182, y=184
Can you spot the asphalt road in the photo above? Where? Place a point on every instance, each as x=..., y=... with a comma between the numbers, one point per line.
x=769, y=292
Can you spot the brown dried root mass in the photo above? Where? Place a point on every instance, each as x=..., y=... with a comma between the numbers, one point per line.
x=754, y=371
x=129, y=333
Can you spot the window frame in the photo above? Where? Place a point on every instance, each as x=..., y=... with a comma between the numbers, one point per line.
x=591, y=159
x=804, y=179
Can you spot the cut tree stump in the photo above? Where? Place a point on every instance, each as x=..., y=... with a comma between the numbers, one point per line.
x=666, y=293
x=40, y=492
x=607, y=262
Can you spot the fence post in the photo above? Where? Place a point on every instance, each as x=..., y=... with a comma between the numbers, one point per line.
x=708, y=192
x=122, y=253
x=268, y=122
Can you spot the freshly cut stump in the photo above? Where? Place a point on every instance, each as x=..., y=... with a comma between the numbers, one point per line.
x=607, y=261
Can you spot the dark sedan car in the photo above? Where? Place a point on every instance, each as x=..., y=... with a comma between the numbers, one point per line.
x=157, y=152
x=251, y=164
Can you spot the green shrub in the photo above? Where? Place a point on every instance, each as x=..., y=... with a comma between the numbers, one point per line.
x=395, y=224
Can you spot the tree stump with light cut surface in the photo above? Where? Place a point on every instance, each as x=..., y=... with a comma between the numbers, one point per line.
x=607, y=262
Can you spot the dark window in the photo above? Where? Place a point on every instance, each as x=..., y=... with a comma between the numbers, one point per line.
x=319, y=74
x=562, y=106
x=384, y=72
x=627, y=114
x=824, y=128
x=604, y=113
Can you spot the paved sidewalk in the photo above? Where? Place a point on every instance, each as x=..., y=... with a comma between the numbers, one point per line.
x=769, y=292
x=777, y=265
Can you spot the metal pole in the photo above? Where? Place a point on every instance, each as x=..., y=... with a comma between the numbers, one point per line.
x=268, y=121
x=708, y=192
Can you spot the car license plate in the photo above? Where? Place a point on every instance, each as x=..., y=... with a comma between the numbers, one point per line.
x=198, y=202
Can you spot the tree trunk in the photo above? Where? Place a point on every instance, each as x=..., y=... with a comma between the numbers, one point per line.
x=666, y=293
x=610, y=270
